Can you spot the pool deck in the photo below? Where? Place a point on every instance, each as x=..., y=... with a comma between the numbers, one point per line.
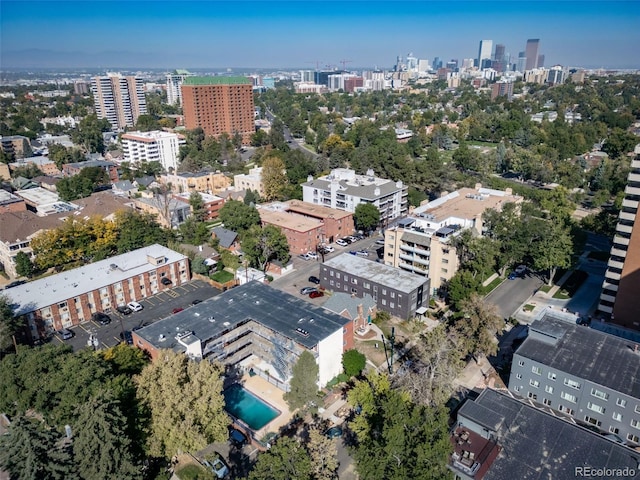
x=274, y=397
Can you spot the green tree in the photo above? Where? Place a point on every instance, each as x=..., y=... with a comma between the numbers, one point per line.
x=10, y=324
x=238, y=217
x=24, y=266
x=194, y=232
x=323, y=454
x=274, y=177
x=186, y=403
x=251, y=197
x=100, y=445
x=147, y=123
x=353, y=362
x=287, y=459
x=551, y=248
x=304, y=387
x=197, y=206
x=397, y=439
x=366, y=217
x=32, y=451
x=264, y=245
x=125, y=359
x=478, y=326
x=137, y=230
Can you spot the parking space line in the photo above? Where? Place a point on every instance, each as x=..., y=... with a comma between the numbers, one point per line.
x=82, y=327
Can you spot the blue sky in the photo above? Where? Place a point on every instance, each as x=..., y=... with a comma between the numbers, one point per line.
x=191, y=34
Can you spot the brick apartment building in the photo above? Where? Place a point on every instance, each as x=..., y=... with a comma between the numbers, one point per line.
x=219, y=105
x=211, y=204
x=306, y=225
x=70, y=298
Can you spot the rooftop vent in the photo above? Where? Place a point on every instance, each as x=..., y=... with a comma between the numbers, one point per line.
x=226, y=324
x=302, y=332
x=184, y=334
x=161, y=338
x=212, y=319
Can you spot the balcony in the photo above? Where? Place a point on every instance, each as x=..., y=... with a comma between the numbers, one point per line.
x=610, y=274
x=634, y=177
x=607, y=298
x=615, y=264
x=630, y=203
x=632, y=190
x=618, y=252
x=618, y=240
x=624, y=228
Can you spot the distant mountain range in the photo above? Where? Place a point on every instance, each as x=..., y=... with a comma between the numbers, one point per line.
x=37, y=58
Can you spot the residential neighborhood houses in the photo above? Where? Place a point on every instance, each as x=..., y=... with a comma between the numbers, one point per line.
x=445, y=248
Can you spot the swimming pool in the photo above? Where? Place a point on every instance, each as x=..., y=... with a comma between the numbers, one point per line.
x=245, y=406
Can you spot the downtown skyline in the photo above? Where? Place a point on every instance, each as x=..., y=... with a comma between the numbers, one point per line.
x=238, y=34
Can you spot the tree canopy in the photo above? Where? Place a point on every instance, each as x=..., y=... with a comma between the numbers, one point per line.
x=366, y=217
x=264, y=245
x=304, y=387
x=238, y=217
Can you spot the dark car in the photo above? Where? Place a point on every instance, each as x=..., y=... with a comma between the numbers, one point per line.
x=237, y=438
x=123, y=309
x=196, y=301
x=316, y=294
x=177, y=310
x=126, y=337
x=101, y=318
x=333, y=432
x=165, y=281
x=315, y=280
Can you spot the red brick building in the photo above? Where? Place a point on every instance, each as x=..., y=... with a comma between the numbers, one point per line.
x=219, y=105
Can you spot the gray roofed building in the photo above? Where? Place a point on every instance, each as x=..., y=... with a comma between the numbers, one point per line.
x=344, y=190
x=360, y=310
x=253, y=319
x=497, y=437
x=225, y=236
x=587, y=374
x=395, y=291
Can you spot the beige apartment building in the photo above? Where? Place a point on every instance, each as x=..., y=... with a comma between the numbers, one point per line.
x=421, y=243
x=250, y=181
x=202, y=182
x=120, y=99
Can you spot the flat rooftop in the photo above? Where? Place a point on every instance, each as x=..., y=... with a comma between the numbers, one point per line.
x=348, y=182
x=275, y=309
x=191, y=81
x=57, y=288
x=466, y=203
x=288, y=220
x=318, y=211
x=377, y=272
x=585, y=353
x=38, y=196
x=537, y=445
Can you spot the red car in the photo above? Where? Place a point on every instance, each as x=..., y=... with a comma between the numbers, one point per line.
x=176, y=310
x=316, y=294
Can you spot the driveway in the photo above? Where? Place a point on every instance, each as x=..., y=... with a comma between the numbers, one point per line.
x=510, y=294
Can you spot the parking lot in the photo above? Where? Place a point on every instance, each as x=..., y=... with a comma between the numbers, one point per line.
x=293, y=282
x=155, y=308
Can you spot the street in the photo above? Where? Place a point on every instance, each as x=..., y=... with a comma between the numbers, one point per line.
x=510, y=294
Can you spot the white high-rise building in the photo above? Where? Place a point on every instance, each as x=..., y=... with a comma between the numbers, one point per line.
x=307, y=76
x=424, y=65
x=484, y=52
x=119, y=99
x=174, y=82
x=156, y=146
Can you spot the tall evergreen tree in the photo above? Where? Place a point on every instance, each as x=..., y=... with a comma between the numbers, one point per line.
x=304, y=388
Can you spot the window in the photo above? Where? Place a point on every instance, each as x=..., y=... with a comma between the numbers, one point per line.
x=593, y=421
x=637, y=409
x=62, y=305
x=546, y=401
x=384, y=291
x=635, y=424
x=331, y=282
x=384, y=302
x=517, y=389
x=614, y=430
x=565, y=409
x=632, y=438
x=533, y=396
x=617, y=416
x=594, y=407
x=568, y=397
x=551, y=376
x=572, y=383
x=392, y=294
x=534, y=383
x=519, y=376
x=599, y=393
x=548, y=389
x=621, y=402
x=354, y=281
x=521, y=363
x=331, y=273
x=337, y=274
x=366, y=285
x=536, y=370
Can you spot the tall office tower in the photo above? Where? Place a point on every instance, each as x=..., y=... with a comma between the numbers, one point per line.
x=467, y=63
x=531, y=52
x=412, y=63
x=119, y=99
x=437, y=63
x=522, y=62
x=484, y=54
x=424, y=65
x=620, y=288
x=498, y=55
x=452, y=64
x=306, y=76
x=219, y=105
x=540, y=61
x=174, y=82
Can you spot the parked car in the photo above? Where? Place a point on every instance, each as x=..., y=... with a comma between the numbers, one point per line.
x=134, y=306
x=380, y=241
x=341, y=242
x=196, y=301
x=101, y=318
x=304, y=256
x=351, y=238
x=177, y=310
x=237, y=438
x=312, y=255
x=65, y=334
x=316, y=294
x=123, y=309
x=333, y=432
x=217, y=465
x=313, y=279
x=307, y=290
x=328, y=249
x=165, y=281
x=126, y=337
x=362, y=253
x=521, y=269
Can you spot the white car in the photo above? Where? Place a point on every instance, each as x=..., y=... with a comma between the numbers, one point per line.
x=312, y=255
x=135, y=306
x=341, y=242
x=328, y=249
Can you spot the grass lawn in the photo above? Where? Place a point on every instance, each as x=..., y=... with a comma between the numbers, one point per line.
x=546, y=288
x=222, y=276
x=496, y=281
x=528, y=307
x=194, y=472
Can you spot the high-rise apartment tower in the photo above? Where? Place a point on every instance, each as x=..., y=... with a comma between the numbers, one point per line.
x=174, y=82
x=531, y=52
x=119, y=99
x=219, y=105
x=484, y=53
